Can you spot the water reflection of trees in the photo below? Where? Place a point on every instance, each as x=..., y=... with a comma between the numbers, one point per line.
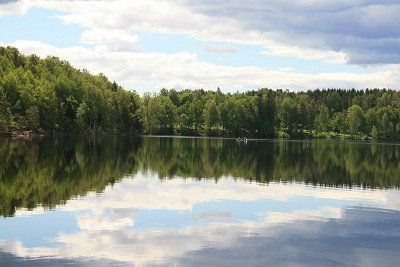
x=50, y=171
x=319, y=163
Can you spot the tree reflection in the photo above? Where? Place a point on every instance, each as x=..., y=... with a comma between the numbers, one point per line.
x=318, y=163
x=50, y=171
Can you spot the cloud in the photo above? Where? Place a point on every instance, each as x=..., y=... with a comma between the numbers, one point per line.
x=152, y=71
x=7, y=1
x=118, y=40
x=367, y=27
x=100, y=223
x=218, y=48
x=167, y=17
x=360, y=32
x=365, y=31
x=19, y=7
x=305, y=53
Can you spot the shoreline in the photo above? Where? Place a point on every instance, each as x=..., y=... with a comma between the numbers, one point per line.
x=363, y=140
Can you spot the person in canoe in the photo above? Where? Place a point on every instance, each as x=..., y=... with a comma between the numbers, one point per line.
x=240, y=139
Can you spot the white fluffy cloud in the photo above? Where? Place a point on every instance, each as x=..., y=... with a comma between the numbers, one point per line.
x=8, y=7
x=152, y=71
x=119, y=40
x=177, y=17
x=355, y=31
x=305, y=53
x=366, y=31
x=218, y=48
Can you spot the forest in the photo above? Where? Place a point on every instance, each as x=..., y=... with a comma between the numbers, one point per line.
x=49, y=96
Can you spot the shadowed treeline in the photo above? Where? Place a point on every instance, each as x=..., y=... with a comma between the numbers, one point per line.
x=50, y=171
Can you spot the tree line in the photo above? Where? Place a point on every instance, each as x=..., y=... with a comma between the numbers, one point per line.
x=267, y=113
x=50, y=96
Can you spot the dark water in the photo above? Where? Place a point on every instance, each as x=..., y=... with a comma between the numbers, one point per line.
x=185, y=201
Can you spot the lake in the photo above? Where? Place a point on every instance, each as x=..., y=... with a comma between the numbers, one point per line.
x=99, y=201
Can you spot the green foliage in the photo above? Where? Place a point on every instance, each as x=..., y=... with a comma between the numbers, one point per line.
x=166, y=114
x=339, y=123
x=357, y=121
x=233, y=116
x=374, y=133
x=265, y=117
x=289, y=117
x=266, y=113
x=82, y=116
x=322, y=120
x=334, y=102
x=211, y=115
x=157, y=114
x=51, y=96
x=33, y=118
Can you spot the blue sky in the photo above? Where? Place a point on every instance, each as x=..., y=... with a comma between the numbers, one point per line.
x=234, y=45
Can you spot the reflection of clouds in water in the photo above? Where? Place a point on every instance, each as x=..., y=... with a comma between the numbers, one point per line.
x=321, y=214
x=97, y=223
x=312, y=236
x=178, y=194
x=215, y=216
x=361, y=236
x=141, y=193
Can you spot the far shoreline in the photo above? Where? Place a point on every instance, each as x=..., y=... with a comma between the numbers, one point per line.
x=359, y=140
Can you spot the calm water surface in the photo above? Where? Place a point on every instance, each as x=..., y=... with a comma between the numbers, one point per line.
x=187, y=202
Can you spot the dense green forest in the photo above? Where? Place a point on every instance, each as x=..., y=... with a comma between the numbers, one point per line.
x=51, y=170
x=50, y=96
